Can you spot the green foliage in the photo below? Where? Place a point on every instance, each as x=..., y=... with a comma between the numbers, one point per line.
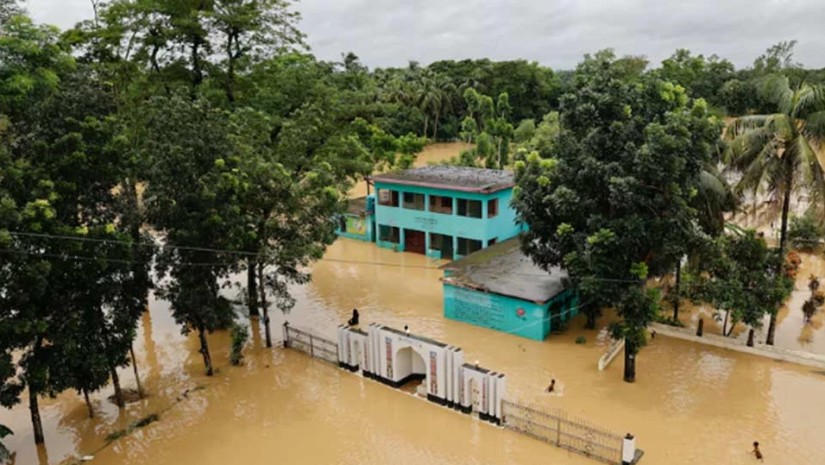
x=238, y=336
x=805, y=232
x=4, y=452
x=581, y=340
x=743, y=279
x=614, y=206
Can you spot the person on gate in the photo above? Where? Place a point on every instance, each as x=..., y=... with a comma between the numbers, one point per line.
x=355, y=317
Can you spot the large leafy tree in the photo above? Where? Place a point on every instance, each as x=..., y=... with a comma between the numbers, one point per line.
x=612, y=205
x=781, y=153
x=193, y=200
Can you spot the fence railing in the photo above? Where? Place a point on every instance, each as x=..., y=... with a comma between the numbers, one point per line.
x=555, y=427
x=313, y=345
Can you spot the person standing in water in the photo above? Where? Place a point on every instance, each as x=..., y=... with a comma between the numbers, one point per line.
x=552, y=386
x=756, y=452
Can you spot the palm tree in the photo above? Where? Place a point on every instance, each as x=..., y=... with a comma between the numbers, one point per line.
x=780, y=153
x=714, y=198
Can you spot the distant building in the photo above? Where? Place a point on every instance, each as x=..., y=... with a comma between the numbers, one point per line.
x=443, y=211
x=500, y=288
x=358, y=222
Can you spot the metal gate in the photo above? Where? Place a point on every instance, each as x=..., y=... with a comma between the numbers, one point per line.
x=555, y=427
x=314, y=346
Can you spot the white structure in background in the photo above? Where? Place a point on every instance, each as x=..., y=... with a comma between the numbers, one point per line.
x=396, y=358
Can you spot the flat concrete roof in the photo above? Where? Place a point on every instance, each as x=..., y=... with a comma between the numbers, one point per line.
x=503, y=269
x=456, y=178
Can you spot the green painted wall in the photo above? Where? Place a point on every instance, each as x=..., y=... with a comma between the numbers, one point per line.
x=501, y=313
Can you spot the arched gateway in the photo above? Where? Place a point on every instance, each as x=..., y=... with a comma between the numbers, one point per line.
x=396, y=357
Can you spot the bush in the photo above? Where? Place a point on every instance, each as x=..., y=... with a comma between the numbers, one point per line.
x=804, y=232
x=581, y=340
x=239, y=337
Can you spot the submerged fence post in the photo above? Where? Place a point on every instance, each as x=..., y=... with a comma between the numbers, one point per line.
x=286, y=334
x=628, y=449
x=558, y=431
x=311, y=351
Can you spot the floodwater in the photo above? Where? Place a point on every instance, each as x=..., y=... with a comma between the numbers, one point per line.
x=432, y=153
x=690, y=404
x=792, y=332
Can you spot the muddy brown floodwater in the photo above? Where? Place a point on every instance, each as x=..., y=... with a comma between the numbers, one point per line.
x=691, y=404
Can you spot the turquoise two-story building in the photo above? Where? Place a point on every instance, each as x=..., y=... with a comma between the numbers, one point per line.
x=500, y=288
x=444, y=212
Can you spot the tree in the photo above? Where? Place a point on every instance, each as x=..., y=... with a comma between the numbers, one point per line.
x=193, y=198
x=744, y=281
x=612, y=205
x=778, y=153
x=4, y=453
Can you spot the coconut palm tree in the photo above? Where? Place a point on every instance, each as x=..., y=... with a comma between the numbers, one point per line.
x=714, y=198
x=782, y=153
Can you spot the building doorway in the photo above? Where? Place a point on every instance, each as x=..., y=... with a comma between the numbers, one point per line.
x=415, y=241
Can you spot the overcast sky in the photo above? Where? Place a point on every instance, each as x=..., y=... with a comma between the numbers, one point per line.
x=553, y=32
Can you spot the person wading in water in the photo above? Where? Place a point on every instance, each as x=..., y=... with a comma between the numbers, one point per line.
x=552, y=386
x=756, y=452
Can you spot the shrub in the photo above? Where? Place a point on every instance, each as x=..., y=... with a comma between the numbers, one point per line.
x=239, y=337
x=804, y=232
x=581, y=340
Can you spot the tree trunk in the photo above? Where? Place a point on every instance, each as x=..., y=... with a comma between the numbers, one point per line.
x=135, y=368
x=725, y=324
x=700, y=328
x=230, y=75
x=264, y=305
x=37, y=423
x=435, y=125
x=629, y=362
x=116, y=383
x=207, y=358
x=750, y=338
x=678, y=294
x=88, y=403
x=252, y=288
x=783, y=237
x=426, y=125
x=591, y=319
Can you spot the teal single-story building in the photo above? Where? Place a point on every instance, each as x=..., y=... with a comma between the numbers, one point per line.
x=500, y=288
x=358, y=219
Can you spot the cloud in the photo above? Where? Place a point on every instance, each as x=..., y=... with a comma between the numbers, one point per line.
x=553, y=32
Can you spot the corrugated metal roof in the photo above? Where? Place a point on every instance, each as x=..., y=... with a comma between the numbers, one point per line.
x=448, y=177
x=503, y=269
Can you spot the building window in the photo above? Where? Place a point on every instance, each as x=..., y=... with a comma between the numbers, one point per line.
x=470, y=208
x=439, y=204
x=388, y=198
x=389, y=234
x=468, y=246
x=492, y=208
x=413, y=201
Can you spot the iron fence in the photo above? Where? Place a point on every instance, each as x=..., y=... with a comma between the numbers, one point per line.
x=313, y=345
x=555, y=427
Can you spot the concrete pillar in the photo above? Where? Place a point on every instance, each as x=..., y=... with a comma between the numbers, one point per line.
x=449, y=378
x=502, y=387
x=401, y=242
x=628, y=449
x=458, y=374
